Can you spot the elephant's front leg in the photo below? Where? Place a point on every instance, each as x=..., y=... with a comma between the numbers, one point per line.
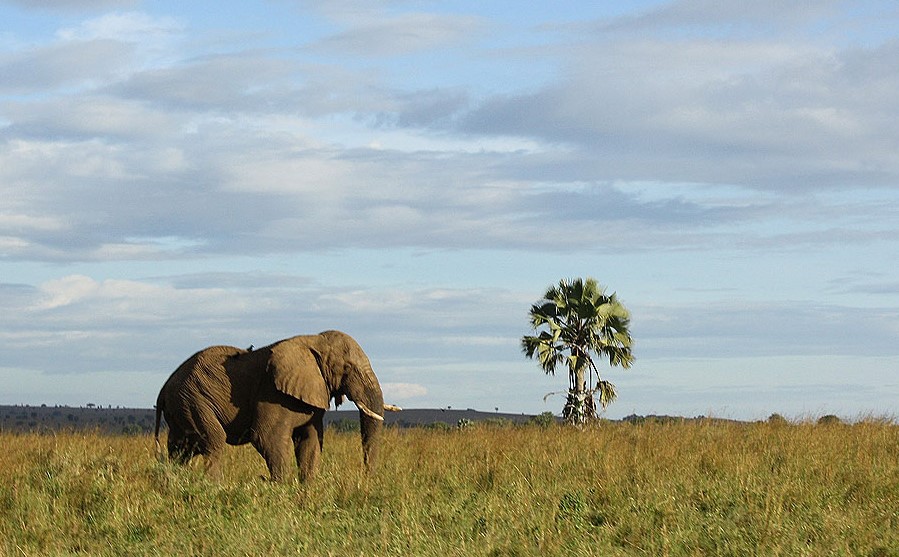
x=275, y=447
x=308, y=441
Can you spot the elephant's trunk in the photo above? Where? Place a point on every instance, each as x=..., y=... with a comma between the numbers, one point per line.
x=371, y=440
x=366, y=394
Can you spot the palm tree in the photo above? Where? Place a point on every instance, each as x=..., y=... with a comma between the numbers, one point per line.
x=574, y=321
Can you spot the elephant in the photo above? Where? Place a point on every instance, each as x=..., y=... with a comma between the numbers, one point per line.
x=274, y=397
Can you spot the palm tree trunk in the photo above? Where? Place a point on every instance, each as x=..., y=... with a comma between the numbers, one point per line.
x=575, y=411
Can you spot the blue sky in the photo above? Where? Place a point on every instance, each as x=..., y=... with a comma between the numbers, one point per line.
x=180, y=174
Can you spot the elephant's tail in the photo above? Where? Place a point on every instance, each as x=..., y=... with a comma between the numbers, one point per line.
x=159, y=455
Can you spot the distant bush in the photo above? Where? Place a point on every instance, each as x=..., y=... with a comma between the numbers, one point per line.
x=345, y=426
x=829, y=419
x=133, y=429
x=777, y=419
x=544, y=419
x=498, y=422
x=635, y=419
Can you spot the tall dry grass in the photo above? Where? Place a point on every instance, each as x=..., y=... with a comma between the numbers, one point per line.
x=695, y=488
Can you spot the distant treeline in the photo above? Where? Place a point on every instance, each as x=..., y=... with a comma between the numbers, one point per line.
x=134, y=421
x=45, y=418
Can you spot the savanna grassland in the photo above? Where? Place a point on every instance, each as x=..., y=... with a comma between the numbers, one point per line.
x=690, y=488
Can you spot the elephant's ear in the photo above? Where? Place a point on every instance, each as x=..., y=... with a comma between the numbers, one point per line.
x=296, y=371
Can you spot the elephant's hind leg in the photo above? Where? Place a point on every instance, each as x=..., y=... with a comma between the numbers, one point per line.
x=181, y=451
x=212, y=459
x=182, y=447
x=213, y=442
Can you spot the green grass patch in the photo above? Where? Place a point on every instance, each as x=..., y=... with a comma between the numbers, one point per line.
x=682, y=488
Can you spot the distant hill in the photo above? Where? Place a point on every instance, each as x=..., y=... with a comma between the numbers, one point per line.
x=110, y=420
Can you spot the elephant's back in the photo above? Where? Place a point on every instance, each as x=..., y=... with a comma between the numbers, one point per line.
x=215, y=356
x=200, y=386
x=206, y=360
x=209, y=370
x=199, y=374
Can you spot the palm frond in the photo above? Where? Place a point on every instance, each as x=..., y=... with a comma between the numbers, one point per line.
x=607, y=393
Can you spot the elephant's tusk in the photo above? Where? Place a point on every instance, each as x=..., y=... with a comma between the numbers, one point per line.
x=369, y=413
x=392, y=408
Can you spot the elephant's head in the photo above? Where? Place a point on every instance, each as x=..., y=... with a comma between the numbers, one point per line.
x=333, y=366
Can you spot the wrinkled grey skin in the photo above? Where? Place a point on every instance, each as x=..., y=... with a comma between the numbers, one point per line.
x=273, y=397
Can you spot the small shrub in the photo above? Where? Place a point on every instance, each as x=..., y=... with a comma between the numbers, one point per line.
x=571, y=505
x=544, y=419
x=829, y=419
x=132, y=429
x=777, y=419
x=498, y=422
x=345, y=426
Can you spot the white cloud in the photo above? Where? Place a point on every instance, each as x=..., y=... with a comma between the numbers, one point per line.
x=13, y=246
x=124, y=27
x=403, y=391
x=320, y=174
x=227, y=84
x=27, y=222
x=402, y=34
x=67, y=290
x=131, y=301
x=743, y=329
x=74, y=5
x=72, y=64
x=86, y=117
x=760, y=16
x=249, y=128
x=766, y=113
x=478, y=340
x=365, y=301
